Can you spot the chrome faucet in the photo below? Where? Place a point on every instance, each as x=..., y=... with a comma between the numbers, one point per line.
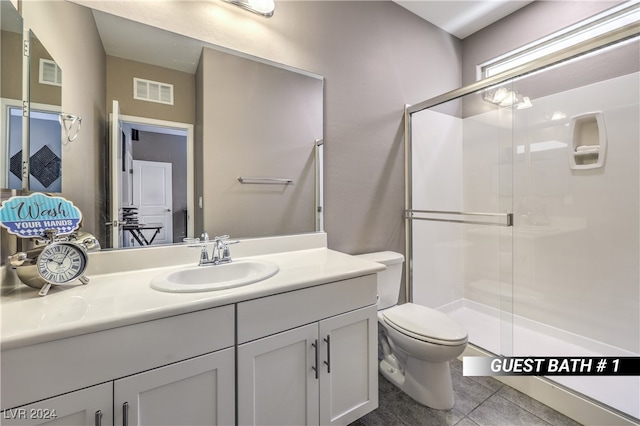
x=220, y=252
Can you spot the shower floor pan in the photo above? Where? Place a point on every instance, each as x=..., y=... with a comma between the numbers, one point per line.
x=531, y=338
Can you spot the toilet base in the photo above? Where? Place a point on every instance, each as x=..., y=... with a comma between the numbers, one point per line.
x=428, y=383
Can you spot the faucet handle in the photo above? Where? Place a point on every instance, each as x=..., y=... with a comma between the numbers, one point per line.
x=226, y=253
x=204, y=255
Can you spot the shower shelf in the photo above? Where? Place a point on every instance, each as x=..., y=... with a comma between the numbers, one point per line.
x=588, y=141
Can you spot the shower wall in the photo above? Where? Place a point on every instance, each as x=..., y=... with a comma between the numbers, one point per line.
x=576, y=234
x=461, y=165
x=564, y=280
x=437, y=184
x=576, y=246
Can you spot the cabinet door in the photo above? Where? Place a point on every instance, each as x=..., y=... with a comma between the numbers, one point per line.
x=198, y=391
x=87, y=407
x=349, y=378
x=277, y=383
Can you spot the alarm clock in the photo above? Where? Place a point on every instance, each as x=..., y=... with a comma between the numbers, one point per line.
x=60, y=262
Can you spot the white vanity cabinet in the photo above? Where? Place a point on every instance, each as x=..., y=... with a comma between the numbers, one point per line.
x=349, y=379
x=92, y=406
x=324, y=372
x=303, y=352
x=199, y=391
x=174, y=370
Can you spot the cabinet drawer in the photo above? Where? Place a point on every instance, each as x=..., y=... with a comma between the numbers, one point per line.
x=39, y=371
x=272, y=314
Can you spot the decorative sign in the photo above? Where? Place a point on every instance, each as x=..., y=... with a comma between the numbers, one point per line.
x=30, y=216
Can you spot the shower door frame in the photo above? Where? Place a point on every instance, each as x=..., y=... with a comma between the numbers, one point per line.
x=624, y=33
x=585, y=408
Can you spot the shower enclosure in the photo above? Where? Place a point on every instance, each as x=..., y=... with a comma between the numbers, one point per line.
x=523, y=210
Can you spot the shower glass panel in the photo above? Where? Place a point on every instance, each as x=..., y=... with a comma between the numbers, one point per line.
x=576, y=229
x=523, y=214
x=461, y=202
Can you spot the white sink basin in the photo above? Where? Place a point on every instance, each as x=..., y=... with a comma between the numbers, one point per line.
x=214, y=277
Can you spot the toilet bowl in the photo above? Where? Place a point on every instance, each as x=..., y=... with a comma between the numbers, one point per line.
x=418, y=357
x=416, y=342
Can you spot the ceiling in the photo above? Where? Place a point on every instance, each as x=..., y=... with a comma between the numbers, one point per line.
x=462, y=18
x=127, y=39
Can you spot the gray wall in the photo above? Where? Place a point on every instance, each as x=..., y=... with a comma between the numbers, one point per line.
x=120, y=75
x=256, y=120
x=11, y=57
x=69, y=34
x=152, y=146
x=375, y=57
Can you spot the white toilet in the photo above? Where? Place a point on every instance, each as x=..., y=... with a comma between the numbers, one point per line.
x=417, y=342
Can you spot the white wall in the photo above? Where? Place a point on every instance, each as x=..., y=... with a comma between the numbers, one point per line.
x=461, y=165
x=437, y=173
x=576, y=239
x=576, y=236
x=574, y=260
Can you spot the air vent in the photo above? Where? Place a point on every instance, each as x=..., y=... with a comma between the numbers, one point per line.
x=50, y=73
x=152, y=91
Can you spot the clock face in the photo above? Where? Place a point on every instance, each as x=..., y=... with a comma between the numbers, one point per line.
x=60, y=263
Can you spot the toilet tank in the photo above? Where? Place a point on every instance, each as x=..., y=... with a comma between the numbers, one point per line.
x=390, y=279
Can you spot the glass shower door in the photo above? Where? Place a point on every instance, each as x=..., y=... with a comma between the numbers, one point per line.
x=460, y=216
x=576, y=213
x=523, y=213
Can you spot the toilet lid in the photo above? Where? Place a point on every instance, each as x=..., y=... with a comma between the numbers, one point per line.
x=425, y=323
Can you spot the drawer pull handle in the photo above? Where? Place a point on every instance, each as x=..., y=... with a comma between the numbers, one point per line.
x=328, y=361
x=98, y=418
x=315, y=367
x=125, y=414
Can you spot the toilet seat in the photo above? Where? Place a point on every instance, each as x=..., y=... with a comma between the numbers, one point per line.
x=425, y=324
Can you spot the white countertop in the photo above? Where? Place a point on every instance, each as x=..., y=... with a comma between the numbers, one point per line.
x=118, y=299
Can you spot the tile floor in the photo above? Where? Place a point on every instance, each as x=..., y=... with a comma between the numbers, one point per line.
x=478, y=401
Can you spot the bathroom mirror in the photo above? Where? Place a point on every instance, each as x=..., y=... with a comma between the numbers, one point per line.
x=247, y=133
x=45, y=131
x=44, y=140
x=11, y=35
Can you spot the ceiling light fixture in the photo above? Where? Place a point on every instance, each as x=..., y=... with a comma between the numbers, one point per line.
x=505, y=98
x=261, y=7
